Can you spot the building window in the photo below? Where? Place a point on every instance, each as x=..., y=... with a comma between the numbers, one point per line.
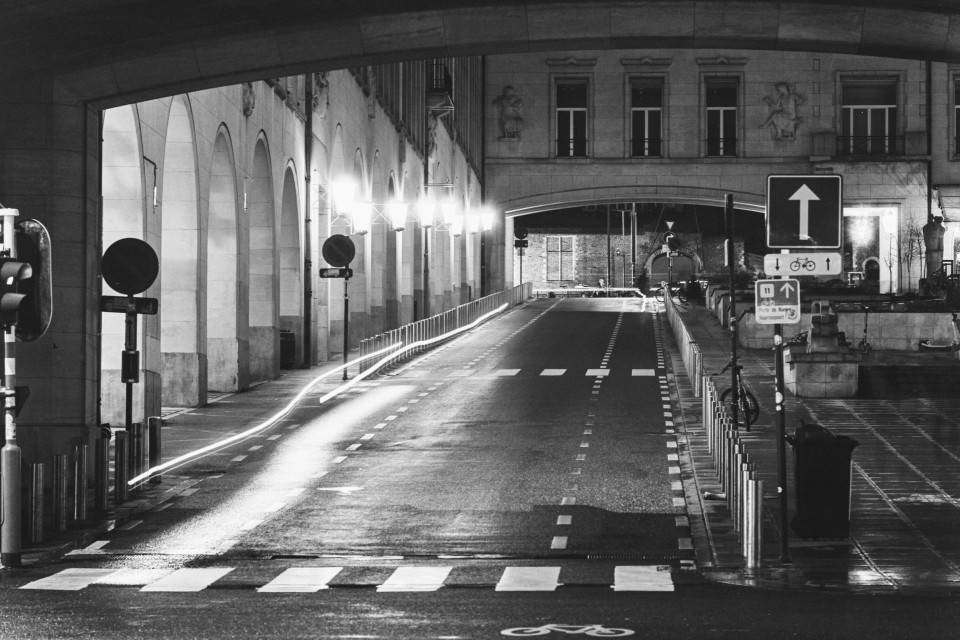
x=869, y=118
x=956, y=116
x=572, y=118
x=560, y=258
x=721, y=100
x=646, y=113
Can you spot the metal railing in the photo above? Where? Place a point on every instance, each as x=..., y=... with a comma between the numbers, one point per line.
x=870, y=145
x=418, y=334
x=735, y=470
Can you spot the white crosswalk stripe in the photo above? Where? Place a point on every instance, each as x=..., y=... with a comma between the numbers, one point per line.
x=314, y=579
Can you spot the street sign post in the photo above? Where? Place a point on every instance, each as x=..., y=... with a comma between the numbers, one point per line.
x=802, y=264
x=778, y=301
x=804, y=211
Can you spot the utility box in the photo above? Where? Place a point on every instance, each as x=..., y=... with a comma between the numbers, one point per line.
x=822, y=467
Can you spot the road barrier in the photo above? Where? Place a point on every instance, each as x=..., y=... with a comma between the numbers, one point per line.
x=422, y=331
x=736, y=471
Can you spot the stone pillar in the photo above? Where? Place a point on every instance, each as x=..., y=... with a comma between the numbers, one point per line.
x=822, y=368
x=50, y=170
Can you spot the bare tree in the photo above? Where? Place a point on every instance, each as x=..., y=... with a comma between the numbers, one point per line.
x=909, y=250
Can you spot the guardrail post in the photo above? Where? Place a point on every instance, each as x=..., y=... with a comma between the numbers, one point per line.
x=155, y=442
x=121, y=456
x=80, y=482
x=753, y=523
x=60, y=484
x=35, y=504
x=101, y=474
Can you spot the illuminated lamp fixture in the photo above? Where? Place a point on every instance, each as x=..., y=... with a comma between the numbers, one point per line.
x=397, y=212
x=362, y=216
x=426, y=211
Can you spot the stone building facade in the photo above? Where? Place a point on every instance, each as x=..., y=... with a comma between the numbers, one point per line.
x=689, y=126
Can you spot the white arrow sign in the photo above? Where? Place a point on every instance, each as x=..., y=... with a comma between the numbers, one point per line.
x=804, y=195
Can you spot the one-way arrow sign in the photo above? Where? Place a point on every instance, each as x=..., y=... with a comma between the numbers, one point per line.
x=804, y=211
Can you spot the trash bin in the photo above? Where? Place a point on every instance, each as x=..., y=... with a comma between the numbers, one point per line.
x=822, y=463
x=288, y=350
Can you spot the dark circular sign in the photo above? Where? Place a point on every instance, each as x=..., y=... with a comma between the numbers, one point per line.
x=519, y=233
x=129, y=266
x=338, y=250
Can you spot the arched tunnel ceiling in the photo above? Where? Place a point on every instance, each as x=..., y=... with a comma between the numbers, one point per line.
x=115, y=51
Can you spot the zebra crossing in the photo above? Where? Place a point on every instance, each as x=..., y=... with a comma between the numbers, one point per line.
x=589, y=373
x=319, y=578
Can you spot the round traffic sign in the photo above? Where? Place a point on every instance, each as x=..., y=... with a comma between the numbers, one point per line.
x=129, y=266
x=338, y=250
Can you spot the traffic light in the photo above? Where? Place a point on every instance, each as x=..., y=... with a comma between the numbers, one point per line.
x=672, y=241
x=12, y=274
x=36, y=309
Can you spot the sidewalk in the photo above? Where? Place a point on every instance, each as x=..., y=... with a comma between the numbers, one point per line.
x=902, y=533
x=184, y=431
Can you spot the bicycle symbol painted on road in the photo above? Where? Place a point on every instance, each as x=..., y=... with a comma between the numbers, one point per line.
x=591, y=630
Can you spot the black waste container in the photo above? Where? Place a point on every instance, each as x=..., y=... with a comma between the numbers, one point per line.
x=822, y=463
x=288, y=350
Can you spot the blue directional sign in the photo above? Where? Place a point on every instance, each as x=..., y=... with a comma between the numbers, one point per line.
x=778, y=301
x=804, y=211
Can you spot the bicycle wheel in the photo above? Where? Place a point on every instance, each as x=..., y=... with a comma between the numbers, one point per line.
x=660, y=294
x=748, y=409
x=681, y=296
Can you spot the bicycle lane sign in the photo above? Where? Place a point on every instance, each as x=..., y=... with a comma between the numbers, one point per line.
x=777, y=301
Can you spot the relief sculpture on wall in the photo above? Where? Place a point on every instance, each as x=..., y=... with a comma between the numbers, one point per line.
x=511, y=119
x=783, y=112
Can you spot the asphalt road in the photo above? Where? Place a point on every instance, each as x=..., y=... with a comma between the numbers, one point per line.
x=522, y=477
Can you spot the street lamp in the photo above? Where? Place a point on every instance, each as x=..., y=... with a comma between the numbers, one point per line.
x=623, y=267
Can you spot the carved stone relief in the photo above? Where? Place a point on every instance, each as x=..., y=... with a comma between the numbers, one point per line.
x=783, y=119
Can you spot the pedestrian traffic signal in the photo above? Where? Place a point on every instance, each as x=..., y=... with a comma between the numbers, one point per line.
x=12, y=274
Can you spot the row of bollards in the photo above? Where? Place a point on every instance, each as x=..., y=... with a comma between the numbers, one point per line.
x=134, y=450
x=738, y=476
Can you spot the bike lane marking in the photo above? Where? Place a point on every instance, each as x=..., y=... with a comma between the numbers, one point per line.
x=529, y=579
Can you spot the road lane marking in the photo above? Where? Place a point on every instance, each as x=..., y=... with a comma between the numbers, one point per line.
x=643, y=372
x=380, y=425
x=275, y=436
x=69, y=579
x=367, y=436
x=95, y=548
x=129, y=577
x=553, y=372
x=416, y=579
x=559, y=542
x=130, y=525
x=529, y=579
x=302, y=580
x=238, y=458
x=354, y=446
x=389, y=418
x=564, y=520
x=339, y=459
x=568, y=500
x=642, y=578
x=506, y=372
x=183, y=580
x=255, y=447
x=598, y=373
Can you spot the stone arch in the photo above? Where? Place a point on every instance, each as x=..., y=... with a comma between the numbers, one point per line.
x=123, y=217
x=692, y=265
x=376, y=257
x=183, y=336
x=264, y=329
x=391, y=277
x=225, y=315
x=537, y=202
x=291, y=262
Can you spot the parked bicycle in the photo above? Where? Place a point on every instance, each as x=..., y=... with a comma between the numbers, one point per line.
x=748, y=409
x=676, y=290
x=926, y=345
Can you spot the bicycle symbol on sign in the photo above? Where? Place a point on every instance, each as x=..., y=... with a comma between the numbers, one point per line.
x=592, y=630
x=803, y=262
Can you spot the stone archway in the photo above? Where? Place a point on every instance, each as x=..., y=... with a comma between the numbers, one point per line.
x=181, y=294
x=686, y=265
x=264, y=330
x=291, y=263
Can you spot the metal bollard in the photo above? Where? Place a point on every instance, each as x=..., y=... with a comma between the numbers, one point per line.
x=35, y=504
x=101, y=474
x=137, y=444
x=753, y=529
x=155, y=443
x=746, y=472
x=120, y=467
x=80, y=482
x=60, y=479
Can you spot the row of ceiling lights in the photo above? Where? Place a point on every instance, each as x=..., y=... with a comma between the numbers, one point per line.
x=428, y=211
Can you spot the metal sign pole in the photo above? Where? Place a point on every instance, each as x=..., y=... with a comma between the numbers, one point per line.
x=346, y=324
x=10, y=457
x=781, y=443
x=731, y=267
